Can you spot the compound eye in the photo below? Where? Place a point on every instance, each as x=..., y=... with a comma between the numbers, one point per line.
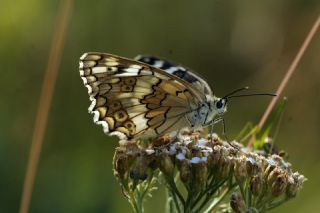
x=219, y=104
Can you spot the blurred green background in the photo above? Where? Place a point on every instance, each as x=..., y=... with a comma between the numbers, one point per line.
x=231, y=43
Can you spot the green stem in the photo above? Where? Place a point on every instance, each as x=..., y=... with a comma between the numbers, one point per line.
x=264, y=202
x=208, y=188
x=249, y=198
x=244, y=131
x=148, y=185
x=247, y=195
x=243, y=193
x=254, y=199
x=174, y=188
x=169, y=202
x=216, y=202
x=174, y=198
x=209, y=195
x=188, y=201
x=134, y=204
x=265, y=193
x=276, y=204
x=247, y=136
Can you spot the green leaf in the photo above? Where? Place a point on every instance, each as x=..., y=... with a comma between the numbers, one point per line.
x=271, y=127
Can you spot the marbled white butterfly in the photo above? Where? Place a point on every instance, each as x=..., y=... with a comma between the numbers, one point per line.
x=147, y=96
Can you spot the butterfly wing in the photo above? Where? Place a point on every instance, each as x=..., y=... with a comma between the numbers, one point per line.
x=177, y=70
x=131, y=99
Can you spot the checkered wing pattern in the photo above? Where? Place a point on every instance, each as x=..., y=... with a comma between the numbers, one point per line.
x=132, y=99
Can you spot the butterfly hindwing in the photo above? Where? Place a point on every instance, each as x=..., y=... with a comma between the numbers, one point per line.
x=131, y=99
x=177, y=70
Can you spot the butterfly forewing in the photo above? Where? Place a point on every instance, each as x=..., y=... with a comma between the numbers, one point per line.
x=133, y=99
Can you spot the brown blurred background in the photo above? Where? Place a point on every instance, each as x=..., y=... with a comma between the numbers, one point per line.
x=231, y=43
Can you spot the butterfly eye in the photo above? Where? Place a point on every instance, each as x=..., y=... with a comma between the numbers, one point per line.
x=219, y=104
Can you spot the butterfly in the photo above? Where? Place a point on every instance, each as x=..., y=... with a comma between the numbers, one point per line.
x=147, y=96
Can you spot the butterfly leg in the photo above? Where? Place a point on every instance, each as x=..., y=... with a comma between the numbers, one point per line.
x=224, y=132
x=212, y=125
x=223, y=128
x=211, y=131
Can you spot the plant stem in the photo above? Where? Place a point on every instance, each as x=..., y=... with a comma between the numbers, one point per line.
x=216, y=202
x=175, y=200
x=169, y=203
x=176, y=191
x=209, y=195
x=276, y=204
x=200, y=196
x=147, y=186
x=134, y=203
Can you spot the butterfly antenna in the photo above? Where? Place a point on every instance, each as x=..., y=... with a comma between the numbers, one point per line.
x=235, y=91
x=255, y=94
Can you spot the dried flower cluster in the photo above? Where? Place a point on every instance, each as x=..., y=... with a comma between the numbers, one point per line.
x=202, y=174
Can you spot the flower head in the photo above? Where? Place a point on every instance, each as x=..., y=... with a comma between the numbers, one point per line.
x=208, y=167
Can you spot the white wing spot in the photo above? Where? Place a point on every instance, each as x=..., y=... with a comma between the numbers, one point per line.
x=83, y=56
x=158, y=64
x=84, y=80
x=132, y=70
x=92, y=105
x=112, y=63
x=96, y=70
x=89, y=89
x=172, y=69
x=81, y=64
x=135, y=66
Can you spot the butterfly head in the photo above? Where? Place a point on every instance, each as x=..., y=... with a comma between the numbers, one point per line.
x=213, y=109
x=219, y=106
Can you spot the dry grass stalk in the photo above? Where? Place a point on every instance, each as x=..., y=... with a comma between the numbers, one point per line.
x=288, y=75
x=47, y=90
